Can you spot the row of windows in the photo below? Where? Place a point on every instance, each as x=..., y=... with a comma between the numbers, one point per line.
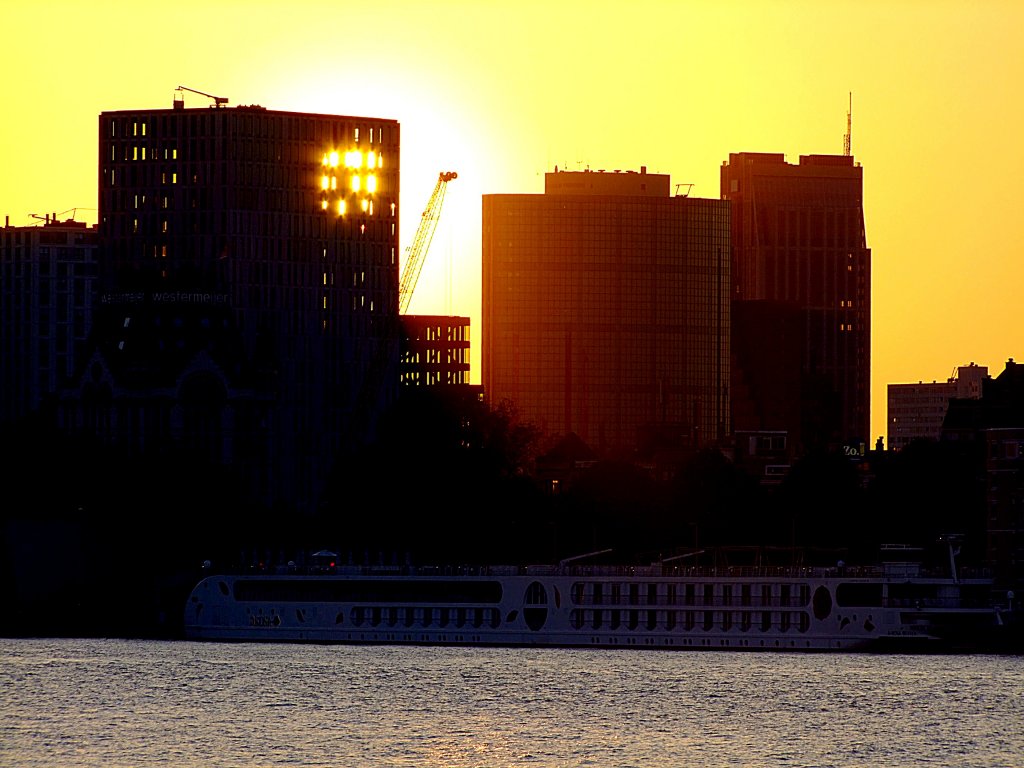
x=423, y=617
x=780, y=595
x=256, y=124
x=687, y=621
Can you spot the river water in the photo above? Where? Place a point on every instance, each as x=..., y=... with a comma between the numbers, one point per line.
x=149, y=703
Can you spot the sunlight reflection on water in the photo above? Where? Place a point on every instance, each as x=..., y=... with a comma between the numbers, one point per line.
x=142, y=703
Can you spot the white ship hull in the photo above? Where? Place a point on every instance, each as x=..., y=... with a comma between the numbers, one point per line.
x=657, y=607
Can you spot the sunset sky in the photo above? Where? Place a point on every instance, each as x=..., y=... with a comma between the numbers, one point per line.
x=503, y=92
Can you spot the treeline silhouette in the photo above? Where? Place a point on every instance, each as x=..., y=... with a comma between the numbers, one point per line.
x=99, y=542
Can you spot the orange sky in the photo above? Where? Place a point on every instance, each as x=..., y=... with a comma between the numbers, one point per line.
x=502, y=92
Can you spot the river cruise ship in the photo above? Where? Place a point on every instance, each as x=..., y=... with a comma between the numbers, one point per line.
x=895, y=606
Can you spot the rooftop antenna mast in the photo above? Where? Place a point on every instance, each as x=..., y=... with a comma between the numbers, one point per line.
x=849, y=127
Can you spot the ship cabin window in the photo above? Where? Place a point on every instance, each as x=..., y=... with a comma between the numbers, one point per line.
x=690, y=620
x=709, y=620
x=690, y=594
x=634, y=619
x=577, y=593
x=670, y=598
x=652, y=594
x=495, y=617
x=726, y=620
x=596, y=619
x=745, y=594
x=670, y=619
x=634, y=594
x=598, y=596
x=727, y=594
x=709, y=594
x=577, y=619
x=616, y=594
x=766, y=620
x=616, y=619
x=652, y=619
x=745, y=621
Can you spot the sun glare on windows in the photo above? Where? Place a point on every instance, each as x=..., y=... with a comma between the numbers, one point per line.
x=356, y=188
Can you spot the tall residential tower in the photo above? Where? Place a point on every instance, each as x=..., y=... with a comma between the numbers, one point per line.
x=249, y=288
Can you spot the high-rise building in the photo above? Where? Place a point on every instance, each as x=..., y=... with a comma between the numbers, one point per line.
x=605, y=310
x=916, y=411
x=46, y=303
x=799, y=248
x=249, y=287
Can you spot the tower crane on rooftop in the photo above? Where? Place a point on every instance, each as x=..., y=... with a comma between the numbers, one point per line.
x=417, y=252
x=218, y=101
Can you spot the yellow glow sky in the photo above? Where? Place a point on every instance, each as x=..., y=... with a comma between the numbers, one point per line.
x=502, y=92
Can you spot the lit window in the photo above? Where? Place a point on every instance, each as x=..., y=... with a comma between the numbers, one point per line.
x=356, y=183
x=371, y=184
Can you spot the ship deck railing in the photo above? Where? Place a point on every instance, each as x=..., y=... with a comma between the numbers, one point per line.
x=746, y=572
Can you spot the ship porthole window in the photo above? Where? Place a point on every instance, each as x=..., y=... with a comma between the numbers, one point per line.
x=822, y=603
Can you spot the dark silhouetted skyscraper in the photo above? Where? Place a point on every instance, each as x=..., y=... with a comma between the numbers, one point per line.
x=47, y=276
x=799, y=251
x=249, y=278
x=605, y=310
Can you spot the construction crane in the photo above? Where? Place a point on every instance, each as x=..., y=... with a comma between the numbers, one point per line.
x=218, y=101
x=416, y=253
